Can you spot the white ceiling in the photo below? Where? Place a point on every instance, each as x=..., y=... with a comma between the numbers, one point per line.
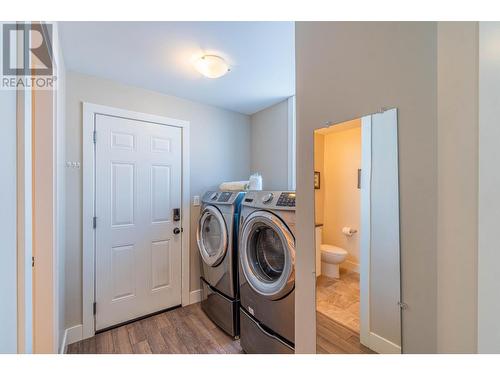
x=335, y=128
x=158, y=56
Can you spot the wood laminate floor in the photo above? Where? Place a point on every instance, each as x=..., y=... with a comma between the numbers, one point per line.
x=335, y=338
x=337, y=315
x=186, y=330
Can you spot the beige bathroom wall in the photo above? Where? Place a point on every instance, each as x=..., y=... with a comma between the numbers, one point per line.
x=342, y=158
x=319, y=194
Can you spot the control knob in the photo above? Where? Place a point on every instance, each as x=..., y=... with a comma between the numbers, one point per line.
x=267, y=198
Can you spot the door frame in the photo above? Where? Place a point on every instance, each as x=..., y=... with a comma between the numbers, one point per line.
x=88, y=173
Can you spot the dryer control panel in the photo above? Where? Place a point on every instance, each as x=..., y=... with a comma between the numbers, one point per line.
x=286, y=199
x=269, y=200
x=224, y=197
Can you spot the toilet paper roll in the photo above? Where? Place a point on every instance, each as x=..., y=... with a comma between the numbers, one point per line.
x=348, y=231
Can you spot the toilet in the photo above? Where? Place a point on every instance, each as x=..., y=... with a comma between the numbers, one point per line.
x=331, y=257
x=328, y=257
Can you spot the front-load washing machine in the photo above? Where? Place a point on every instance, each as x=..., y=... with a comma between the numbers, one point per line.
x=217, y=236
x=267, y=272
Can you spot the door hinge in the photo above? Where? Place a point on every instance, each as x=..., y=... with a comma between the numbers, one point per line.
x=94, y=222
x=402, y=305
x=359, y=178
x=94, y=136
x=32, y=262
x=94, y=308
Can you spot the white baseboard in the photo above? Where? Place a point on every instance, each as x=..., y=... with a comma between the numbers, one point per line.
x=379, y=345
x=71, y=335
x=62, y=349
x=195, y=296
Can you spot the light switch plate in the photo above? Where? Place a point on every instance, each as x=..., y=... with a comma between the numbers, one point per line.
x=196, y=200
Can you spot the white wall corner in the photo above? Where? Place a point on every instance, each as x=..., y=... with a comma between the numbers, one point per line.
x=291, y=143
x=195, y=296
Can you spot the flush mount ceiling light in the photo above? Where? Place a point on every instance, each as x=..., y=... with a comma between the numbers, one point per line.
x=211, y=66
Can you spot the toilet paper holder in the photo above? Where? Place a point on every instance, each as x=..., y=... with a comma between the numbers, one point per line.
x=348, y=231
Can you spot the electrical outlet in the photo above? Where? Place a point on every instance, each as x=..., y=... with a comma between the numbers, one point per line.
x=73, y=164
x=196, y=200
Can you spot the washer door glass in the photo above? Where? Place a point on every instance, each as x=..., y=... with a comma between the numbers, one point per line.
x=267, y=255
x=212, y=236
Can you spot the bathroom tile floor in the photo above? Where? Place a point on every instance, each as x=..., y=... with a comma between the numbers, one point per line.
x=338, y=299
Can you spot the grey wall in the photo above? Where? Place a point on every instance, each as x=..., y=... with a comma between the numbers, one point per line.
x=219, y=146
x=270, y=146
x=489, y=188
x=8, y=248
x=346, y=70
x=457, y=186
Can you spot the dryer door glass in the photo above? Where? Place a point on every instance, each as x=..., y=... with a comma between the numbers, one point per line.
x=212, y=236
x=267, y=255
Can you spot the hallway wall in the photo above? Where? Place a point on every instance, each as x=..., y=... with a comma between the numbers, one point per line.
x=215, y=157
x=269, y=152
x=428, y=71
x=346, y=70
x=457, y=187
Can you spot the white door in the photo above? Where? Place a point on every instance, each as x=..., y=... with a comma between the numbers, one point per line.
x=380, y=279
x=138, y=185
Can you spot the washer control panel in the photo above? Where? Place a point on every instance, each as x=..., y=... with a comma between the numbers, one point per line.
x=224, y=196
x=286, y=199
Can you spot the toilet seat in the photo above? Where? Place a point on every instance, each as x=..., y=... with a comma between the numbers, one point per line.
x=332, y=254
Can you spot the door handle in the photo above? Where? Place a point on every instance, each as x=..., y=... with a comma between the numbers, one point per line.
x=177, y=230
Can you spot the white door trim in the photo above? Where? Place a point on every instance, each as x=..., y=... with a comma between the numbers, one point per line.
x=24, y=218
x=88, y=171
x=292, y=129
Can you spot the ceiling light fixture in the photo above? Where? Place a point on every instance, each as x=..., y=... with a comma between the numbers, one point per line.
x=211, y=66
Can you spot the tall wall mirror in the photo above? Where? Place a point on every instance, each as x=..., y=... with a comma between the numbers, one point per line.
x=358, y=285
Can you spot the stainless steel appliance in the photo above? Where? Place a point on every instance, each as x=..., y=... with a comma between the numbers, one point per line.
x=267, y=272
x=217, y=236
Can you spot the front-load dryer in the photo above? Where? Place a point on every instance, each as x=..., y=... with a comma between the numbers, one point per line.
x=267, y=272
x=217, y=236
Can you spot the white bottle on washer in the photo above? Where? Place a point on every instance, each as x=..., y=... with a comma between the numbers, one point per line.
x=255, y=182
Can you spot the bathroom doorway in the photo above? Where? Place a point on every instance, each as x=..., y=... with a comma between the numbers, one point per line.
x=358, y=304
